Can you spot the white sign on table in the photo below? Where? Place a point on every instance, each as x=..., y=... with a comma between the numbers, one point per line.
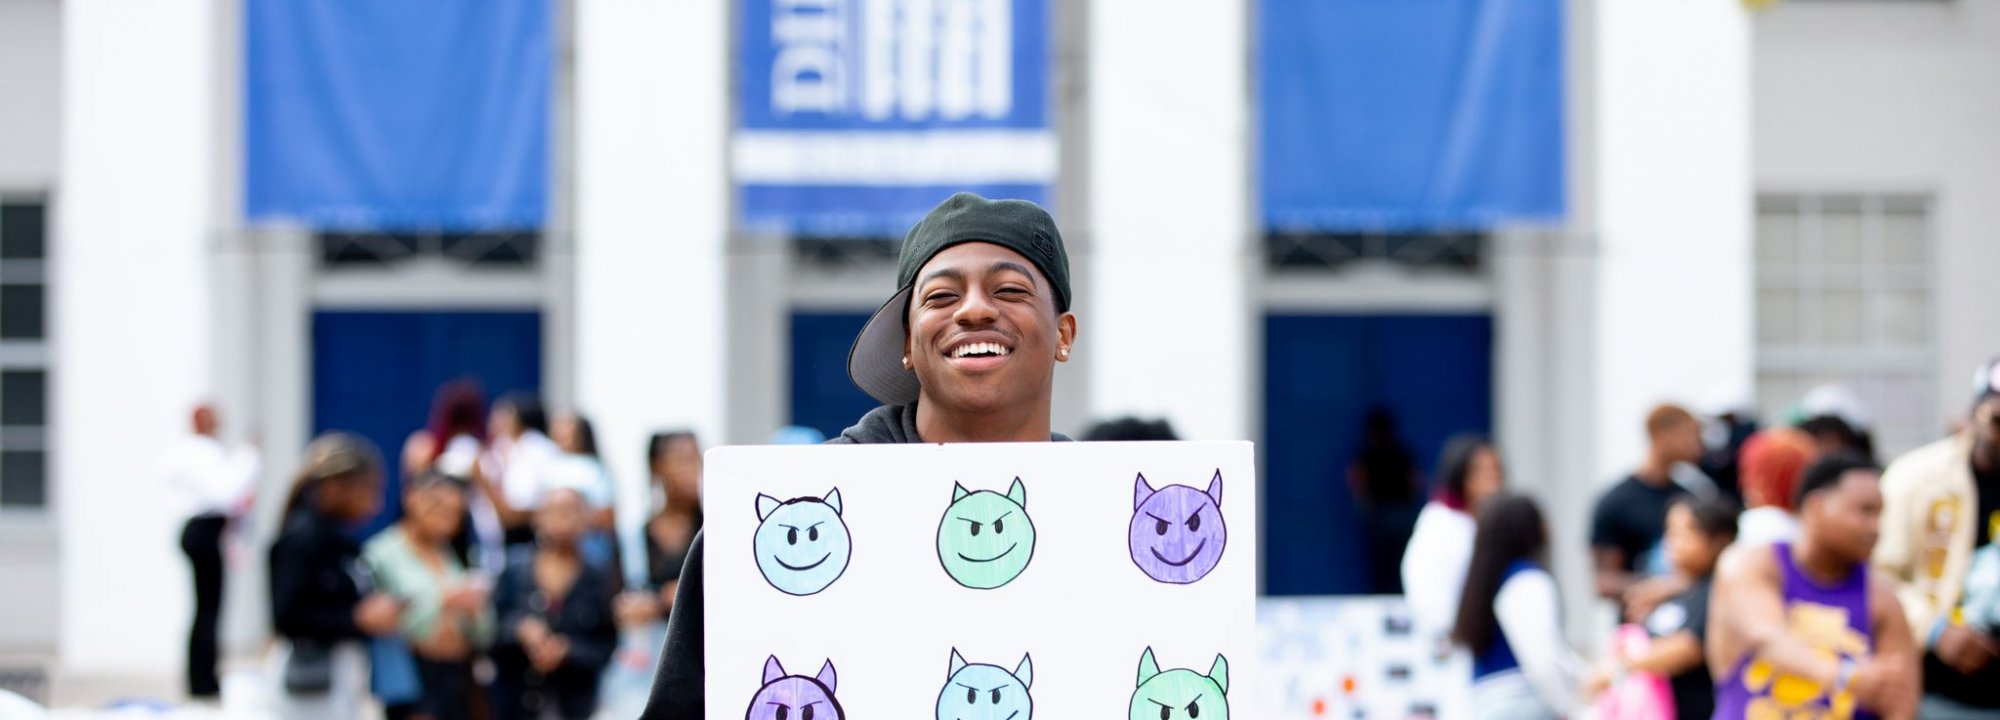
x=1355, y=657
x=981, y=581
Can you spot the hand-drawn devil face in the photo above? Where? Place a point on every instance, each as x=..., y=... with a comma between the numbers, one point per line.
x=796, y=697
x=1177, y=534
x=986, y=692
x=1180, y=694
x=802, y=545
x=986, y=539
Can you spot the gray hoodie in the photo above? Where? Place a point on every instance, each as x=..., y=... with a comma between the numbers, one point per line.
x=893, y=424
x=888, y=424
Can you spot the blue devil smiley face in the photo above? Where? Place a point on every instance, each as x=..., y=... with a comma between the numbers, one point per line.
x=802, y=545
x=986, y=692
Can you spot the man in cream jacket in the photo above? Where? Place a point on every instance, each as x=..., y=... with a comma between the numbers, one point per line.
x=1941, y=502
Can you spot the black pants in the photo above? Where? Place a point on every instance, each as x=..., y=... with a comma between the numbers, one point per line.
x=201, y=540
x=1975, y=690
x=522, y=694
x=447, y=693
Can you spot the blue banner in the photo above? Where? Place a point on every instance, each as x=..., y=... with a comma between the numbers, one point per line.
x=391, y=115
x=857, y=116
x=1410, y=115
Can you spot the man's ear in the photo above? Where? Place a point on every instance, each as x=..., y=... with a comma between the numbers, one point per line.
x=1066, y=332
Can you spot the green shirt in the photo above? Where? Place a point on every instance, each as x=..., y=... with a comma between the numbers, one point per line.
x=400, y=572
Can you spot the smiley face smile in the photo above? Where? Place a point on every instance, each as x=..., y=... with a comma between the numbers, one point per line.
x=797, y=568
x=1184, y=561
x=1003, y=553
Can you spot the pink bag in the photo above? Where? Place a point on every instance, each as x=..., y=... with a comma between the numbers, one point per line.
x=1640, y=695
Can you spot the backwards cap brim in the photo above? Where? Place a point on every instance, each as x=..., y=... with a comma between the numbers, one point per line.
x=875, y=362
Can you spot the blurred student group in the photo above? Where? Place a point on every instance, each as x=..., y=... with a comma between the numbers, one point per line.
x=521, y=580
x=1620, y=264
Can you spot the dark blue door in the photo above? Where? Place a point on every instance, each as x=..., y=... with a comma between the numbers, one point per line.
x=822, y=395
x=1322, y=375
x=374, y=372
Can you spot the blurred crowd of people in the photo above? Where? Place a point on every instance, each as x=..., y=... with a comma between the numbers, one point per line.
x=1843, y=590
x=1759, y=571
x=513, y=583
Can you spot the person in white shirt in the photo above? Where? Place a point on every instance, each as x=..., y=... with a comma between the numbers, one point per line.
x=1434, y=562
x=578, y=467
x=210, y=484
x=1510, y=618
x=1771, y=463
x=509, y=474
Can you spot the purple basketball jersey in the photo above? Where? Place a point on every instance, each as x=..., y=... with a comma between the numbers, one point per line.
x=1833, y=619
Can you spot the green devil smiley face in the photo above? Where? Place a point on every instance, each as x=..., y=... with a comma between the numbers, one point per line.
x=986, y=539
x=1180, y=694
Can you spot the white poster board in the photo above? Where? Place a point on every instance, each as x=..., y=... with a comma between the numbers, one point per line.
x=926, y=619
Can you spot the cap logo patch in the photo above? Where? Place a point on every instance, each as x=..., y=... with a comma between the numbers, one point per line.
x=1047, y=246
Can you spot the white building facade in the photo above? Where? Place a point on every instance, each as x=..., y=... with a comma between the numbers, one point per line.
x=1739, y=185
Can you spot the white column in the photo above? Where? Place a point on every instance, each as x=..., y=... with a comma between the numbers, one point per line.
x=1164, y=314
x=276, y=341
x=30, y=58
x=130, y=329
x=651, y=203
x=1673, y=194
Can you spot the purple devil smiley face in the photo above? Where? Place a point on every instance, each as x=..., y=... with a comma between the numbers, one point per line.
x=796, y=697
x=1177, y=533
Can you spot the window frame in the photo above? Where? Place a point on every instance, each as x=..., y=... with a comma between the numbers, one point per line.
x=1807, y=356
x=31, y=355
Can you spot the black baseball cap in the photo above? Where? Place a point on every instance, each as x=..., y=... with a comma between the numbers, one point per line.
x=875, y=363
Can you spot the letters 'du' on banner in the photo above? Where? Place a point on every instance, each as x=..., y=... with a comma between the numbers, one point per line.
x=981, y=581
x=857, y=116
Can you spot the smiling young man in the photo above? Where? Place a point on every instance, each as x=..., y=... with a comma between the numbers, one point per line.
x=965, y=351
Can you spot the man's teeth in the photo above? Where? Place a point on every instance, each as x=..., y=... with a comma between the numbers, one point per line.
x=979, y=349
